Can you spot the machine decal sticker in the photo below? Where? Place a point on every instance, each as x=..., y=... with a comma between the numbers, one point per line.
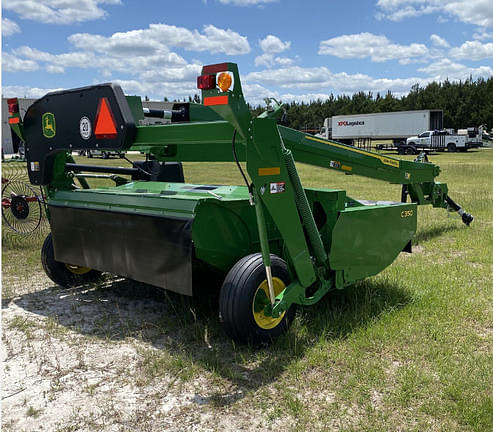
x=85, y=128
x=269, y=171
x=347, y=168
x=335, y=164
x=48, y=125
x=407, y=213
x=388, y=161
x=276, y=188
x=383, y=159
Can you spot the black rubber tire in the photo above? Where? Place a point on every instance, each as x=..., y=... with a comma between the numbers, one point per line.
x=451, y=148
x=106, y=155
x=237, y=296
x=58, y=271
x=410, y=151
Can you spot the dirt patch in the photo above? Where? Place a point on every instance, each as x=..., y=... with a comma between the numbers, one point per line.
x=108, y=358
x=73, y=361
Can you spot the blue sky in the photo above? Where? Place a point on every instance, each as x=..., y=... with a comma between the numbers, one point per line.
x=291, y=50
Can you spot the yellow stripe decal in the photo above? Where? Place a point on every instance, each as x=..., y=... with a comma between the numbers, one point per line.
x=269, y=171
x=383, y=159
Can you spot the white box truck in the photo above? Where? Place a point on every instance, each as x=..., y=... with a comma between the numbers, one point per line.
x=396, y=126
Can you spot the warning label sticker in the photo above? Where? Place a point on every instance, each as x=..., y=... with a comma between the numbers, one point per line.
x=335, y=164
x=276, y=188
x=85, y=128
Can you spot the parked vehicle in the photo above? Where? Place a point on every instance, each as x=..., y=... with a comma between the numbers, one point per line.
x=474, y=136
x=395, y=126
x=439, y=140
x=105, y=154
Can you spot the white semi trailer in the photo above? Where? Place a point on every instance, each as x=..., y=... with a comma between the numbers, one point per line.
x=396, y=126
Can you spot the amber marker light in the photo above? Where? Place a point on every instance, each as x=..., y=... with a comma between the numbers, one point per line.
x=224, y=81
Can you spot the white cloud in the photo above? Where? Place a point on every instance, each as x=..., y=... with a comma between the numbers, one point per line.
x=157, y=37
x=264, y=60
x=289, y=77
x=376, y=47
x=25, y=91
x=284, y=61
x=188, y=72
x=269, y=60
x=477, y=12
x=270, y=46
x=439, y=41
x=138, y=52
x=83, y=60
x=106, y=63
x=482, y=35
x=273, y=45
x=59, y=11
x=156, y=91
x=472, y=50
x=11, y=63
x=9, y=27
x=143, y=53
x=398, y=10
x=55, y=69
x=321, y=80
x=447, y=69
x=247, y=2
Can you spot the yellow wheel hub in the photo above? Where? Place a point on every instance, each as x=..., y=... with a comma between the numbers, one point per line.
x=261, y=299
x=78, y=270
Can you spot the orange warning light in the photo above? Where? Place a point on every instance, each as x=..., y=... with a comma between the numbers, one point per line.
x=224, y=81
x=105, y=122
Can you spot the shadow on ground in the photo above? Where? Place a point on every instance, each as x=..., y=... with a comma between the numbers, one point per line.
x=188, y=328
x=424, y=235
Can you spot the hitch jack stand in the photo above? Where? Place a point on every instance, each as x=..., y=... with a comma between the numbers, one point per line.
x=467, y=218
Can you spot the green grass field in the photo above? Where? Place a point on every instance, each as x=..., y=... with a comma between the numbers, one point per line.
x=410, y=349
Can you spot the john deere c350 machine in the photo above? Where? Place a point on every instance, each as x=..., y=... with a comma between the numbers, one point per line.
x=278, y=244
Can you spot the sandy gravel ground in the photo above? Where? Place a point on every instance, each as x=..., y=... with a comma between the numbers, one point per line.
x=78, y=360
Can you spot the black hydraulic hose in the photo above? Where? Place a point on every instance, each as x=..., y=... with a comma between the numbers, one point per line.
x=404, y=193
x=100, y=169
x=137, y=167
x=249, y=185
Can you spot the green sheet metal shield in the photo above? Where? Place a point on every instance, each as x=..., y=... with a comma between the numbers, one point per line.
x=48, y=125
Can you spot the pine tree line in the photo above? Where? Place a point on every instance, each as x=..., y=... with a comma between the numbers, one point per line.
x=464, y=104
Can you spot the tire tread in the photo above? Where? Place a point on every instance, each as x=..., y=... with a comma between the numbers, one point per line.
x=234, y=300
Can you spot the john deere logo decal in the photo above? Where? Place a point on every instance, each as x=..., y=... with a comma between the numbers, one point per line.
x=49, y=125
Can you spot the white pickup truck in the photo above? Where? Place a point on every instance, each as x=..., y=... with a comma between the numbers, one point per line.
x=437, y=140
